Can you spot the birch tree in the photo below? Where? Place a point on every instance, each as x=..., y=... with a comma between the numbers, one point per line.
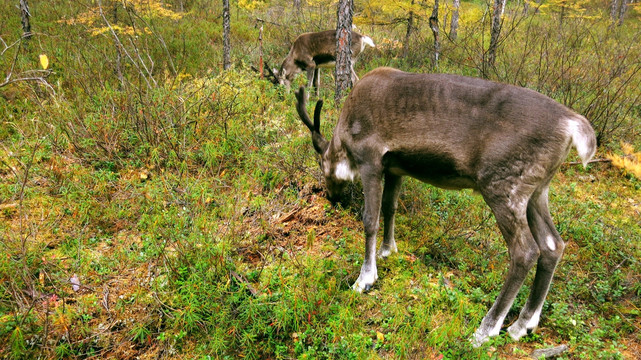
x=343, y=47
x=410, y=25
x=25, y=16
x=226, y=36
x=495, y=33
x=454, y=24
x=617, y=10
x=435, y=31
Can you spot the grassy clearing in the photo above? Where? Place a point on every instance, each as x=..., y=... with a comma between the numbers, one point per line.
x=251, y=261
x=187, y=220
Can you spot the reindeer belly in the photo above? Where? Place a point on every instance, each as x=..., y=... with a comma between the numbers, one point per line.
x=437, y=169
x=325, y=60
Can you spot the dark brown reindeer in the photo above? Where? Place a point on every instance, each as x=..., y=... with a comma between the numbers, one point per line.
x=455, y=132
x=313, y=50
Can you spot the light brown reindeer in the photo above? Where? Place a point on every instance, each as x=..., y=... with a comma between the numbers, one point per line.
x=455, y=132
x=313, y=50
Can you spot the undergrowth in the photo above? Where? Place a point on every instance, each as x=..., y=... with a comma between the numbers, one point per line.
x=179, y=213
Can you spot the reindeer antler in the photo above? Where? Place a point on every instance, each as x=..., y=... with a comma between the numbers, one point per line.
x=270, y=74
x=301, y=108
x=320, y=143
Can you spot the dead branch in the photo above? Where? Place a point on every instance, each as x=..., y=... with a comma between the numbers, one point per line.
x=589, y=162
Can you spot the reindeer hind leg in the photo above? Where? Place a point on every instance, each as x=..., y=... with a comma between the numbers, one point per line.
x=551, y=247
x=510, y=213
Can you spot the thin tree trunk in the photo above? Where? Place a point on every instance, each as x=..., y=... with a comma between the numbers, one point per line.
x=497, y=11
x=454, y=23
x=614, y=9
x=121, y=78
x=260, y=52
x=25, y=17
x=435, y=31
x=343, y=48
x=622, y=10
x=410, y=25
x=226, y=36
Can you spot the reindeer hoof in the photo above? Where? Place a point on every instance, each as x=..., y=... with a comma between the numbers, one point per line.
x=360, y=288
x=516, y=331
x=485, y=332
x=365, y=281
x=478, y=339
x=386, y=251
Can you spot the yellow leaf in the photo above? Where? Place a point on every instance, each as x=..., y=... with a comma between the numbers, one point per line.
x=380, y=337
x=44, y=61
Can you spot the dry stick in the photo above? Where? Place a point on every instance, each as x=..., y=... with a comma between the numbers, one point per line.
x=598, y=160
x=243, y=280
x=34, y=297
x=118, y=43
x=260, y=52
x=27, y=75
x=159, y=38
x=137, y=51
x=5, y=45
x=589, y=162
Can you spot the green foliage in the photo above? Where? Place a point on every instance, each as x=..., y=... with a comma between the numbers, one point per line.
x=186, y=201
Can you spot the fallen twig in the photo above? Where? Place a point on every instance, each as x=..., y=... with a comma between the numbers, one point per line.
x=598, y=160
x=241, y=279
x=549, y=352
x=589, y=162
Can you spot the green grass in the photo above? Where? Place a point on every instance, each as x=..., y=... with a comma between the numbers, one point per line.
x=192, y=215
x=199, y=262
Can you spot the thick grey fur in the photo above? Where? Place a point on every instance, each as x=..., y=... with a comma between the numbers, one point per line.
x=454, y=132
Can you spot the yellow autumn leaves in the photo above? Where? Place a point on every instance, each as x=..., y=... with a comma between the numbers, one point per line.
x=630, y=162
x=146, y=8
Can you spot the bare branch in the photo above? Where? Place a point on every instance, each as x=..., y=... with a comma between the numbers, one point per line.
x=121, y=46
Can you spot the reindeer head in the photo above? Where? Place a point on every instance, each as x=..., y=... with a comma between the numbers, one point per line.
x=333, y=159
x=284, y=76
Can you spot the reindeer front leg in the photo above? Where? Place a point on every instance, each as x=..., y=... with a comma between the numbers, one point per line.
x=317, y=81
x=313, y=79
x=310, y=76
x=354, y=76
x=372, y=187
x=390, y=201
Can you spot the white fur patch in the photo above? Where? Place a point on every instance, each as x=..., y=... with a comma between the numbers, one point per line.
x=583, y=143
x=326, y=168
x=497, y=328
x=344, y=171
x=534, y=320
x=366, y=40
x=549, y=240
